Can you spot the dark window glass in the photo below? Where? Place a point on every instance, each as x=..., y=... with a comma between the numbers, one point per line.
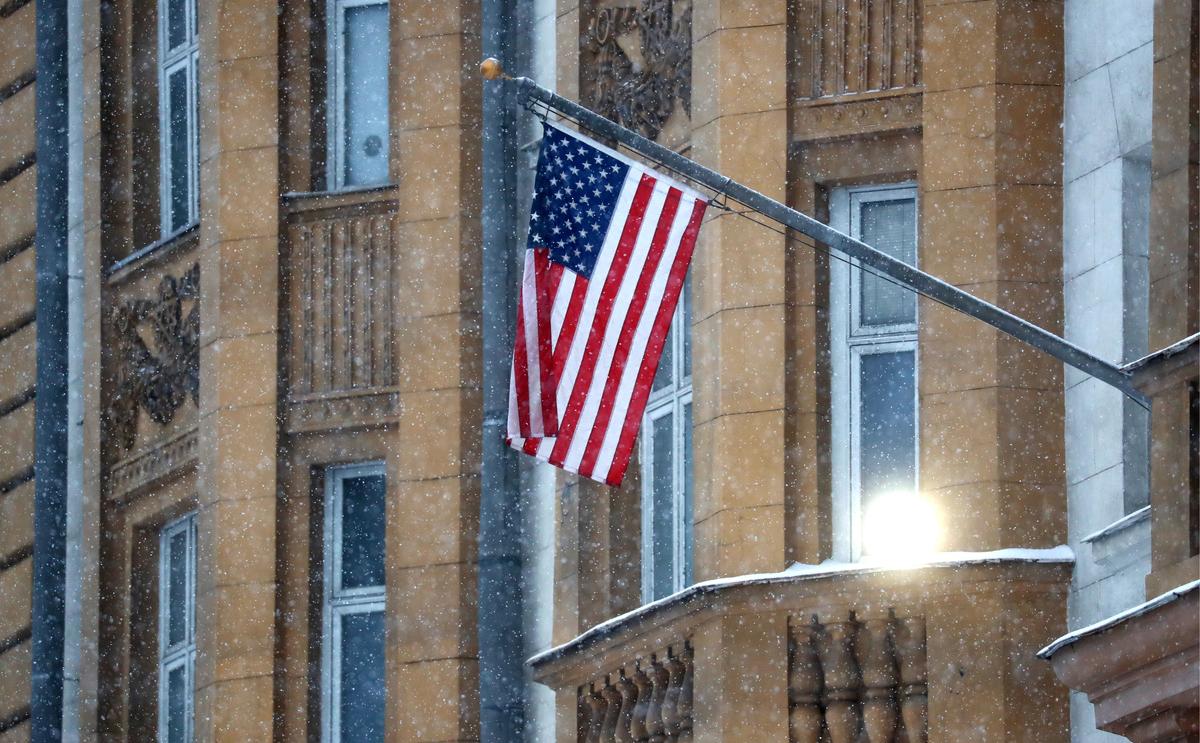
x=363, y=688
x=663, y=544
x=888, y=424
x=687, y=493
x=176, y=23
x=362, y=531
x=178, y=139
x=177, y=694
x=177, y=588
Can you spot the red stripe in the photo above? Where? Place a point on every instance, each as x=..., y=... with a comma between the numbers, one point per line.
x=543, y=276
x=521, y=366
x=621, y=353
x=566, y=334
x=530, y=446
x=612, y=282
x=641, y=390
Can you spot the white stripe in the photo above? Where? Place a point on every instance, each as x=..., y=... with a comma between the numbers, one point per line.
x=514, y=423
x=529, y=310
x=561, y=300
x=612, y=331
x=637, y=350
x=595, y=285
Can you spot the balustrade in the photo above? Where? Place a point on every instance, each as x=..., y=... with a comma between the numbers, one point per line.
x=647, y=701
x=857, y=678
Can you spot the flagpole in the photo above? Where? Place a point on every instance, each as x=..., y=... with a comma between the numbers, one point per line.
x=900, y=272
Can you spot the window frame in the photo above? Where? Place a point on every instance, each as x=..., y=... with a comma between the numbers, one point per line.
x=337, y=602
x=669, y=400
x=182, y=654
x=335, y=98
x=849, y=341
x=171, y=60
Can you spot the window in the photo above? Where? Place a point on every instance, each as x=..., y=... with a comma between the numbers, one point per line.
x=176, y=629
x=179, y=160
x=358, y=93
x=873, y=328
x=352, y=677
x=667, y=463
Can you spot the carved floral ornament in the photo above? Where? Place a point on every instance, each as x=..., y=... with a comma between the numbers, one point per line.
x=157, y=355
x=639, y=61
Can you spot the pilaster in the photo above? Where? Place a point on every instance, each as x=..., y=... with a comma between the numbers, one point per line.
x=739, y=128
x=239, y=268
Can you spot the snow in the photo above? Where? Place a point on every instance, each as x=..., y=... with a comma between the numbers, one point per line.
x=1104, y=624
x=1059, y=554
x=1141, y=514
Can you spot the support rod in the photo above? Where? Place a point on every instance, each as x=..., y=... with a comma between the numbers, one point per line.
x=900, y=272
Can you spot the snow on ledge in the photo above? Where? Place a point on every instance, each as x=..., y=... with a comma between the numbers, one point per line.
x=1134, y=611
x=1059, y=554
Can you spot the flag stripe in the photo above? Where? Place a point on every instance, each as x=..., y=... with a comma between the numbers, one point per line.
x=521, y=360
x=628, y=378
x=546, y=275
x=612, y=283
x=625, y=338
x=658, y=335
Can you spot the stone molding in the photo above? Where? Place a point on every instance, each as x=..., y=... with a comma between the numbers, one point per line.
x=153, y=464
x=360, y=409
x=850, y=116
x=1139, y=669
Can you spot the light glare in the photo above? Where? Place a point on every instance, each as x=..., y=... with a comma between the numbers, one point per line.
x=899, y=527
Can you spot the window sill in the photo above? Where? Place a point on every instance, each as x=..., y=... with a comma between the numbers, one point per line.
x=183, y=238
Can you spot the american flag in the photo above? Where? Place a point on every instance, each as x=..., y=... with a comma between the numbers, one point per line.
x=610, y=241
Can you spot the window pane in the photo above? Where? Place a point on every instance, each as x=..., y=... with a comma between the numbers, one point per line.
x=363, y=690
x=888, y=424
x=362, y=531
x=889, y=226
x=176, y=22
x=177, y=588
x=366, y=95
x=663, y=526
x=177, y=142
x=177, y=694
x=687, y=492
x=662, y=377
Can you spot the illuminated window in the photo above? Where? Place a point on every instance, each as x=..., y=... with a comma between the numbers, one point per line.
x=873, y=328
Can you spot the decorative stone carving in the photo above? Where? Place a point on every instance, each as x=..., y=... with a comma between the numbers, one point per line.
x=879, y=679
x=843, y=680
x=914, y=694
x=646, y=701
x=157, y=355
x=638, y=63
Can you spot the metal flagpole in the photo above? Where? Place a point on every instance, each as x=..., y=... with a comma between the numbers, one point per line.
x=900, y=272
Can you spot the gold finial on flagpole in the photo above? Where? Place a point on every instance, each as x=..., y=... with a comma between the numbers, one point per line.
x=491, y=69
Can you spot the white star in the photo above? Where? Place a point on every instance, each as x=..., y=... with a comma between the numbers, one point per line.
x=608, y=187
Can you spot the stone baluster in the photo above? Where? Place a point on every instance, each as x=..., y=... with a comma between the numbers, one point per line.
x=878, y=663
x=659, y=678
x=909, y=638
x=675, y=673
x=685, y=695
x=597, y=707
x=612, y=713
x=843, y=681
x=804, y=684
x=637, y=725
x=628, y=691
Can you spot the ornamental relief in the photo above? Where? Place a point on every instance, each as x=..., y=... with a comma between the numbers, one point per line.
x=157, y=356
x=637, y=66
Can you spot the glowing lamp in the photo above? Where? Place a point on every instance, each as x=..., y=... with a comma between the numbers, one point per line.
x=900, y=527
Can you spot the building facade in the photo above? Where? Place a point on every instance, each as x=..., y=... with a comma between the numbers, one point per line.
x=294, y=240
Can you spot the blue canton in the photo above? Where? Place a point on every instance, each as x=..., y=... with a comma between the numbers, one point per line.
x=575, y=195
